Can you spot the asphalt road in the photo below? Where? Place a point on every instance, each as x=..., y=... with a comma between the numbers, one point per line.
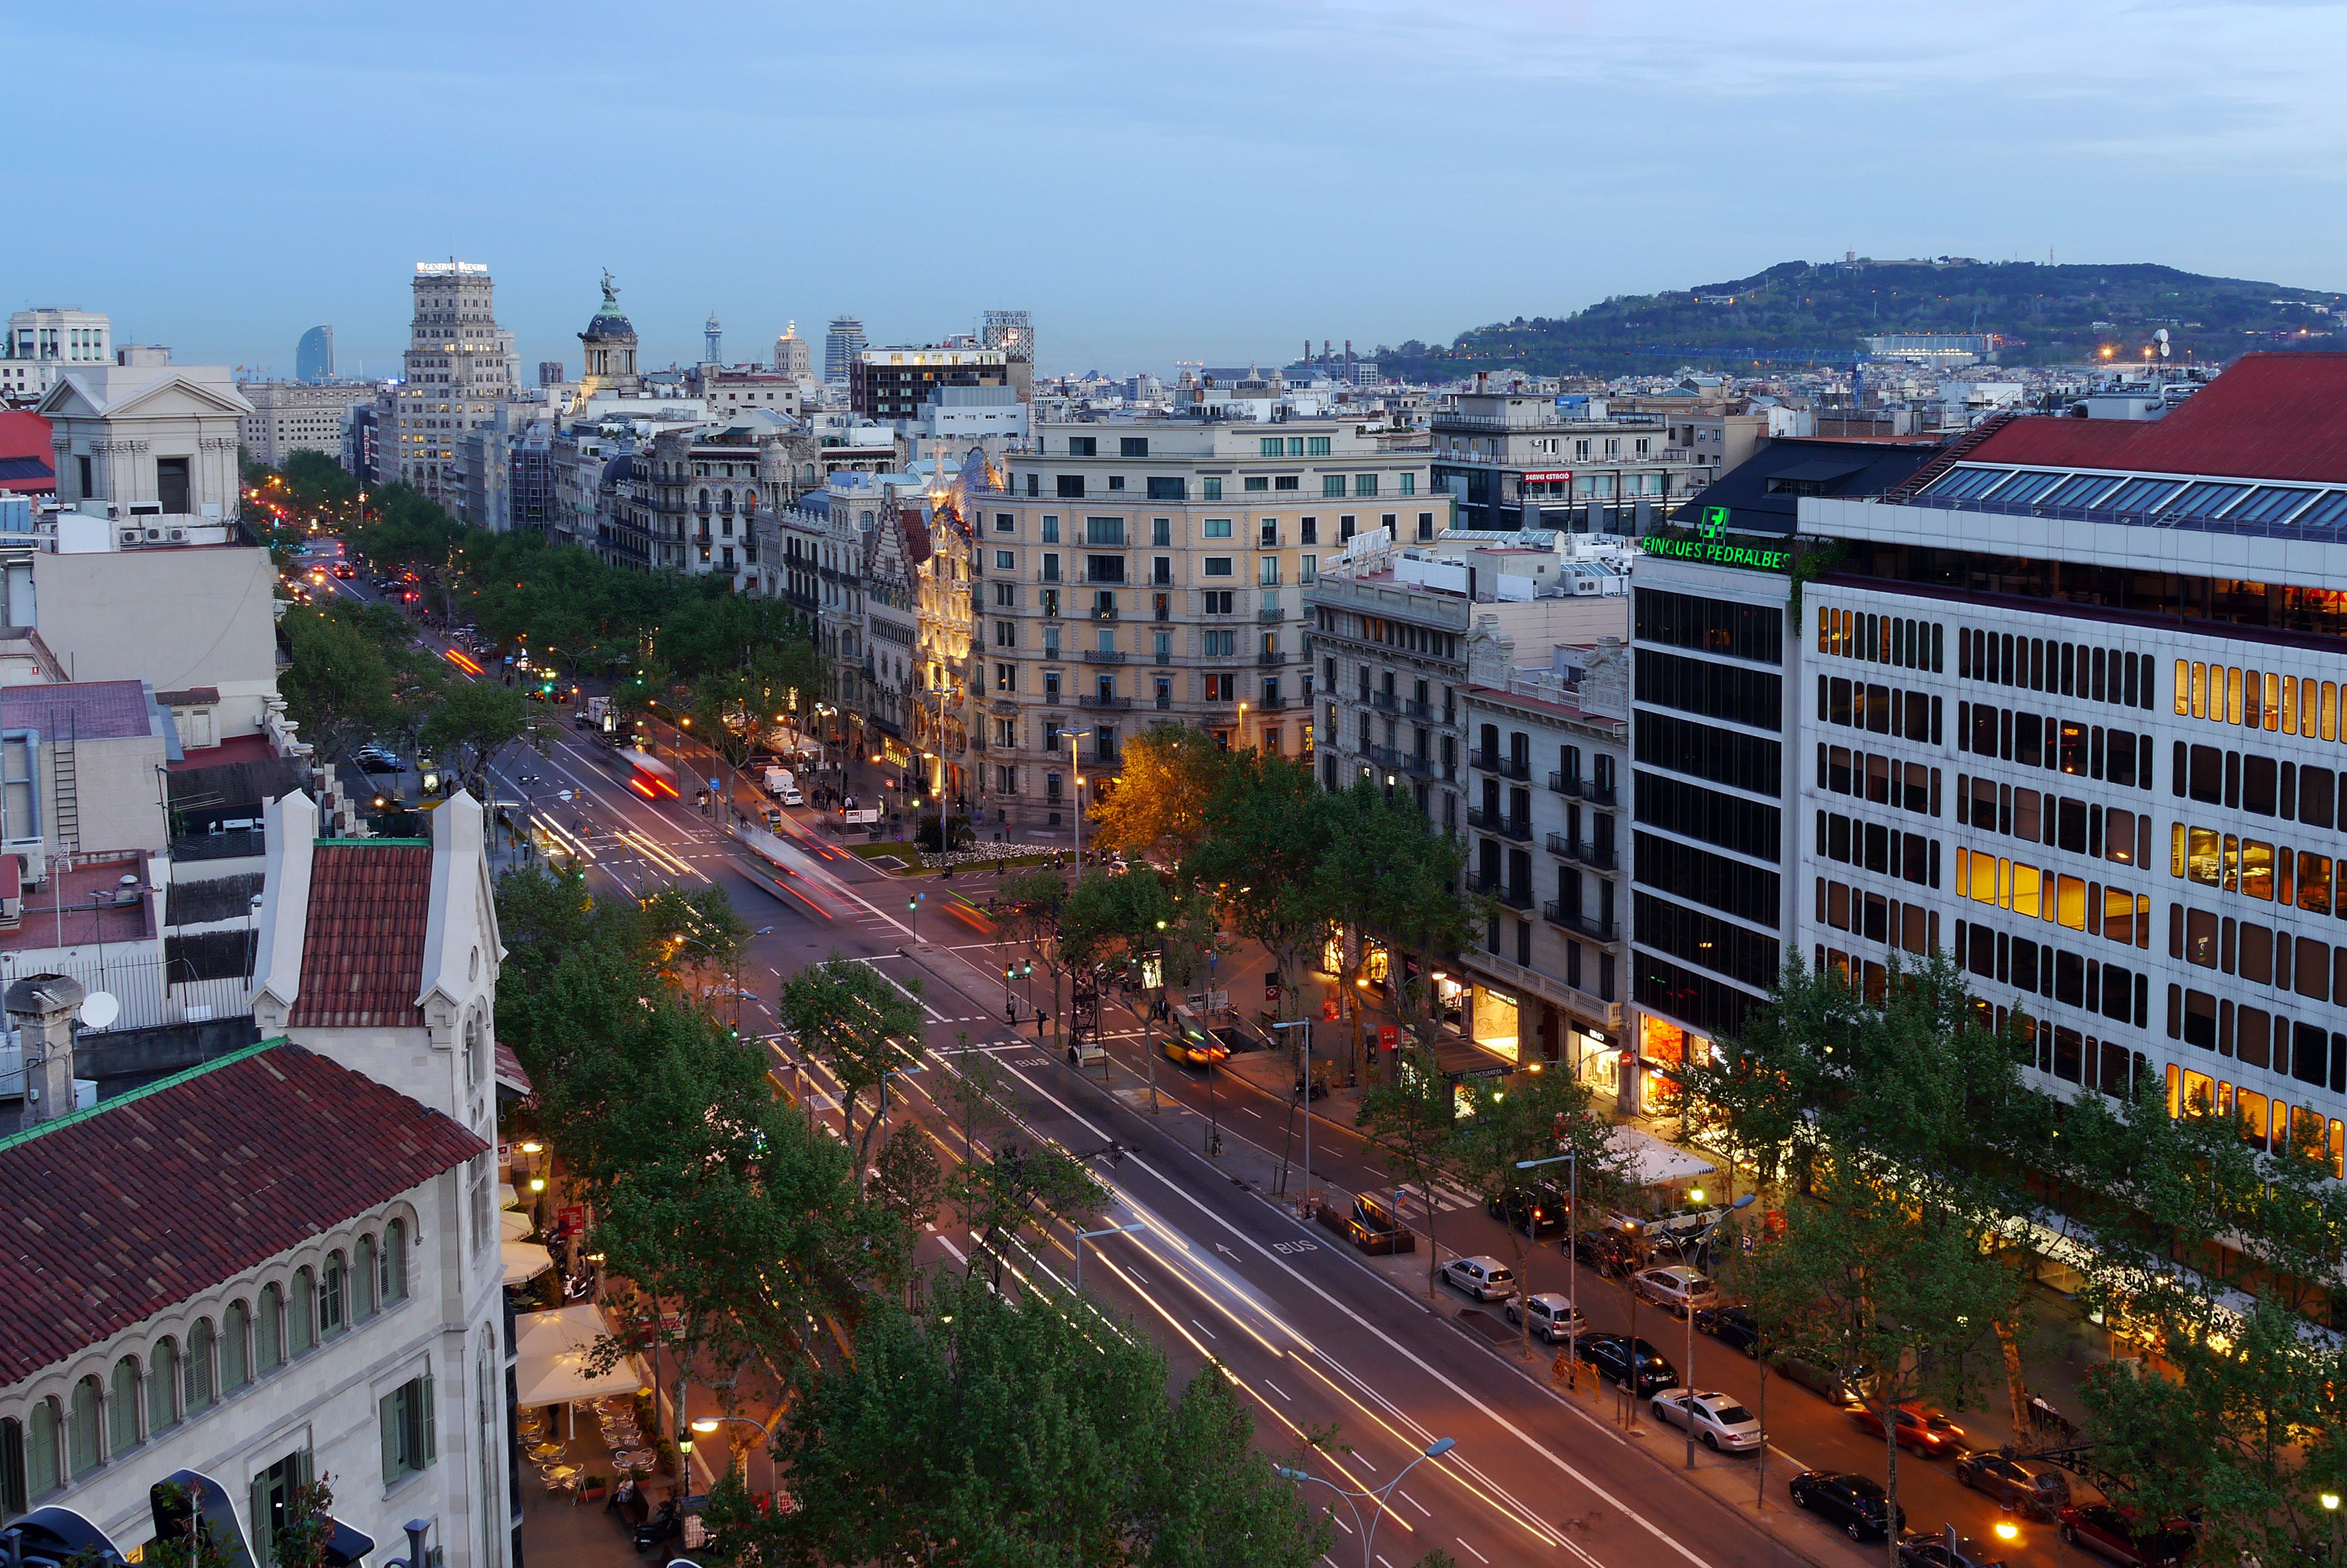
x=1319, y=1337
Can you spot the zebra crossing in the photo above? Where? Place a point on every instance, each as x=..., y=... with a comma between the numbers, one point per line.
x=1447, y=1198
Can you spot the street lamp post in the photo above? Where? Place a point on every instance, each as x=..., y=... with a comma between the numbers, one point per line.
x=1368, y=1533
x=1076, y=772
x=1083, y=1236
x=1701, y=1251
x=706, y=1425
x=1306, y=1025
x=1571, y=1267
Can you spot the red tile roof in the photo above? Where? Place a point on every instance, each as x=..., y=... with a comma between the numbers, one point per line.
x=111, y=1215
x=24, y=434
x=511, y=1074
x=2267, y=417
x=362, y=949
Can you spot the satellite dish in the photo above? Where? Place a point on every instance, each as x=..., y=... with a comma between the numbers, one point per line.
x=2160, y=337
x=100, y=1009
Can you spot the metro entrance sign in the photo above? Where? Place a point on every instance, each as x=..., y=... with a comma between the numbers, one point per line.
x=1712, y=544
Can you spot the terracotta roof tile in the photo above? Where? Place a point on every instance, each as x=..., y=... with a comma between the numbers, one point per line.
x=363, y=950
x=112, y=1214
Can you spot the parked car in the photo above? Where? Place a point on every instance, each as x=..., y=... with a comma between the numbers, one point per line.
x=1680, y=1289
x=1734, y=1327
x=375, y=760
x=1918, y=1549
x=2108, y=1534
x=1553, y=1316
x=1610, y=1355
x=1484, y=1278
x=1854, y=1503
x=2036, y=1488
x=1603, y=1250
x=1815, y=1375
x=792, y=798
x=1534, y=1209
x=1718, y=1423
x=1921, y=1430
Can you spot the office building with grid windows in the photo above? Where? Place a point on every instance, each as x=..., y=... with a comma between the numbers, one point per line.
x=2125, y=644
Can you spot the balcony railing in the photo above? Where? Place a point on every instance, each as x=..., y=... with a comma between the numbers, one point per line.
x=1105, y=704
x=1596, y=856
x=1515, y=827
x=1101, y=656
x=1515, y=895
x=1271, y=657
x=1384, y=701
x=1581, y=925
x=1270, y=613
x=1506, y=768
x=1101, y=613
x=1416, y=709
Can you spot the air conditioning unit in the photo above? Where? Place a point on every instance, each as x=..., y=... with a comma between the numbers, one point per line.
x=154, y=533
x=178, y=536
x=131, y=536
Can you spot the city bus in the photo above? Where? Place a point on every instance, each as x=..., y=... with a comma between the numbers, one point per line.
x=649, y=776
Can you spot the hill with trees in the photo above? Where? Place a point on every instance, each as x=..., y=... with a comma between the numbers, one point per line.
x=1799, y=312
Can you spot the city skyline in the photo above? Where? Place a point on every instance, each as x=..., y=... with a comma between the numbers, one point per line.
x=1306, y=171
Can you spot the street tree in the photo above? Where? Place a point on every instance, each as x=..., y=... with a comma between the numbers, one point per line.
x=984, y=1432
x=1027, y=907
x=1536, y=1114
x=1158, y=810
x=338, y=685
x=472, y=725
x=1269, y=833
x=1397, y=882
x=862, y=1026
x=1411, y=1115
x=1903, y=1132
x=2212, y=1255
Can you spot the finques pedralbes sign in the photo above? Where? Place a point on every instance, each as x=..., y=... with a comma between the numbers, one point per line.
x=1711, y=542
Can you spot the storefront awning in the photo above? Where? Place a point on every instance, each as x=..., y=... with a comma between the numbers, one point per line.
x=551, y=1351
x=1653, y=1162
x=524, y=1260
x=514, y=1226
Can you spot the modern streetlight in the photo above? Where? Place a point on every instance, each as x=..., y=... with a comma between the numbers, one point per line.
x=1701, y=1251
x=1434, y=1450
x=1306, y=1025
x=1571, y=1267
x=1083, y=1236
x=706, y=1425
x=1076, y=771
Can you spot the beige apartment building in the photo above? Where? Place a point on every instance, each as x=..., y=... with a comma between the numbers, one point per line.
x=1137, y=570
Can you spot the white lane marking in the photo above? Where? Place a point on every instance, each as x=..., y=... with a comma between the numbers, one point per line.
x=1277, y=1388
x=958, y=1257
x=1414, y=1502
x=874, y=964
x=1478, y=1556
x=1202, y=1328
x=1403, y=1351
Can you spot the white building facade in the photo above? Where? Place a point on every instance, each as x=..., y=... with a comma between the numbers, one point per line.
x=459, y=362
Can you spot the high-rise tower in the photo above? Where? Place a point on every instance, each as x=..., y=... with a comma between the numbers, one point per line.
x=459, y=364
x=314, y=359
x=841, y=345
x=712, y=337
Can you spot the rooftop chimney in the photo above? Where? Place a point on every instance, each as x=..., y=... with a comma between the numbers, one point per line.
x=41, y=1010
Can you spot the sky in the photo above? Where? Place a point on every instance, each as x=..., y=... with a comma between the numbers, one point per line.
x=1156, y=183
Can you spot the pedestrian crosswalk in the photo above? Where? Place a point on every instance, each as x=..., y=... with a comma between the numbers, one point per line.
x=1447, y=1198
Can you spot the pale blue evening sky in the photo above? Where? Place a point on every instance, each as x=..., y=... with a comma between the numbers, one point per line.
x=1156, y=181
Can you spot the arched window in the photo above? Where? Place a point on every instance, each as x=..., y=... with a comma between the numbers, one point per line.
x=333, y=1303
x=162, y=1387
x=236, y=1347
x=394, y=1262
x=12, y=1467
x=476, y=1052
x=42, y=1475
x=268, y=1331
x=704, y=498
x=367, y=1279
x=122, y=1408
x=200, y=1387
x=302, y=1313
x=89, y=1418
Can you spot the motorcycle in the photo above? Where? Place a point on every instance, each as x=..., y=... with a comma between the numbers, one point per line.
x=666, y=1523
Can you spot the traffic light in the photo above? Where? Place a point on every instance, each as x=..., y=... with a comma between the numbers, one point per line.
x=1027, y=971
x=1010, y=972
